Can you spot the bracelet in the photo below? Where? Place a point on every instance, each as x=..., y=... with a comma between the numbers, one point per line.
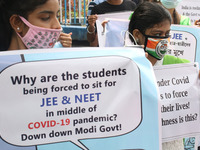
x=92, y=31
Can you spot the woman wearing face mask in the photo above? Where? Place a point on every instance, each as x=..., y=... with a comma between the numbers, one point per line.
x=30, y=24
x=150, y=26
x=176, y=17
x=171, y=5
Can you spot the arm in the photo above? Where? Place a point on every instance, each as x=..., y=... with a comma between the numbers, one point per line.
x=91, y=32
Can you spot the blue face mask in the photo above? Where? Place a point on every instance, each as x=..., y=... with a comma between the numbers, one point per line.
x=169, y=4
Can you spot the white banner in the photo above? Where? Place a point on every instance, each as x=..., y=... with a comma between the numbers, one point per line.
x=103, y=17
x=184, y=42
x=190, y=8
x=84, y=98
x=114, y=36
x=179, y=94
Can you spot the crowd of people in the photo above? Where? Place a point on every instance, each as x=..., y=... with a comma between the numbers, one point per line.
x=32, y=24
x=21, y=24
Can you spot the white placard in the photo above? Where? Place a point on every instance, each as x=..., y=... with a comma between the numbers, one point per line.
x=179, y=94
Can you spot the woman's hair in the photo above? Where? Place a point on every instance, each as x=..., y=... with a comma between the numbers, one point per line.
x=9, y=8
x=146, y=16
x=175, y=17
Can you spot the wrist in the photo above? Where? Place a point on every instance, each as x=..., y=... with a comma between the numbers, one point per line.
x=91, y=29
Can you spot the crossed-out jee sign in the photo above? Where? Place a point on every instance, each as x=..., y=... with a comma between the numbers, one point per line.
x=87, y=98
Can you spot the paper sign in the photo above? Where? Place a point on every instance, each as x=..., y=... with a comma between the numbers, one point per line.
x=182, y=44
x=190, y=9
x=118, y=37
x=101, y=31
x=69, y=100
x=179, y=94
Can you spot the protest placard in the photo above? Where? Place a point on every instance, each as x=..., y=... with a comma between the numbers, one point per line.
x=190, y=9
x=101, y=31
x=184, y=42
x=78, y=99
x=179, y=93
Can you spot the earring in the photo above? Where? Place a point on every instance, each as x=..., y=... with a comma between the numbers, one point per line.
x=18, y=28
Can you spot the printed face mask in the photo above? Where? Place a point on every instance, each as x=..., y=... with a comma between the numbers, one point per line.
x=170, y=3
x=38, y=37
x=156, y=46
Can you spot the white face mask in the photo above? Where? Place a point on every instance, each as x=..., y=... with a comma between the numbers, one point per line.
x=169, y=4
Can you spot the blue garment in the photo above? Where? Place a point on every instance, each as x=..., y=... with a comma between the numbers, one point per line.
x=58, y=45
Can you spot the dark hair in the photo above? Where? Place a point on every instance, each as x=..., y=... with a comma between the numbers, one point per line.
x=146, y=16
x=175, y=17
x=7, y=9
x=152, y=1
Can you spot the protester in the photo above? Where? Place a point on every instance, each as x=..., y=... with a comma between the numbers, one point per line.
x=108, y=6
x=176, y=17
x=151, y=21
x=30, y=24
x=150, y=27
x=92, y=4
x=137, y=2
x=96, y=2
x=171, y=5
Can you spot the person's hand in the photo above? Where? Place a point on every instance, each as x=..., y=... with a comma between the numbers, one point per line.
x=104, y=23
x=197, y=23
x=65, y=39
x=146, y=54
x=92, y=20
x=91, y=28
x=199, y=74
